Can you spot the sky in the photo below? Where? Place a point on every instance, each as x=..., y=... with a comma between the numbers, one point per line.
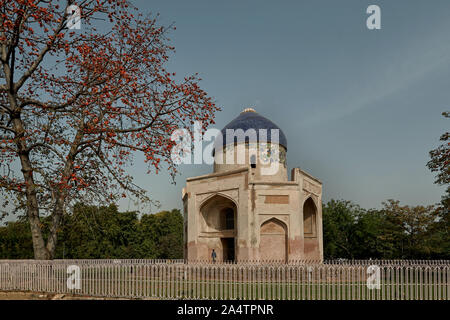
x=360, y=108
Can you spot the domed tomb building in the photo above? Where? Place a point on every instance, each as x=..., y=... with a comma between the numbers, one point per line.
x=248, y=209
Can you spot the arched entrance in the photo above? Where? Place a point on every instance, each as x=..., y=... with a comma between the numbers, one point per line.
x=218, y=226
x=273, y=240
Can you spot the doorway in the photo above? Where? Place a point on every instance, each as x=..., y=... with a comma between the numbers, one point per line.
x=228, y=249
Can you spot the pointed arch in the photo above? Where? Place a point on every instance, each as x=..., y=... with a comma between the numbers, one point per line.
x=218, y=212
x=273, y=240
x=218, y=222
x=309, y=218
x=218, y=194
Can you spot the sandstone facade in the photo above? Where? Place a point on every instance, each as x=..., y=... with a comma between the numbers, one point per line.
x=244, y=214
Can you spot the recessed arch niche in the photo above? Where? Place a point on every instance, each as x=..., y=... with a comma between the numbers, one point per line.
x=273, y=240
x=218, y=213
x=309, y=218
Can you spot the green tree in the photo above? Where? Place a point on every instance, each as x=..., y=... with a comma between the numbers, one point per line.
x=100, y=232
x=410, y=229
x=339, y=219
x=164, y=231
x=369, y=239
x=15, y=240
x=148, y=238
x=440, y=163
x=92, y=232
x=171, y=240
x=440, y=156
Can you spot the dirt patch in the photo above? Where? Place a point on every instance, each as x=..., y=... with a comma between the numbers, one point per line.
x=18, y=295
x=13, y=295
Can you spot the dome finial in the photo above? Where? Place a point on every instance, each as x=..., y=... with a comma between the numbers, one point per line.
x=248, y=110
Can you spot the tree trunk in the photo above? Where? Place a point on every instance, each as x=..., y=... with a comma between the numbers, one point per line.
x=32, y=207
x=57, y=215
x=61, y=195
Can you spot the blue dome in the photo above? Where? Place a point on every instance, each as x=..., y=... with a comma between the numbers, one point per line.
x=250, y=119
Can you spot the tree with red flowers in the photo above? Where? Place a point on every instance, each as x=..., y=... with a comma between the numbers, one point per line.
x=76, y=105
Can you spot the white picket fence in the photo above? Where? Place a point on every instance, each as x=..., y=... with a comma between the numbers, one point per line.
x=176, y=279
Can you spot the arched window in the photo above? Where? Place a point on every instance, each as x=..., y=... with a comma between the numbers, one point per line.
x=309, y=219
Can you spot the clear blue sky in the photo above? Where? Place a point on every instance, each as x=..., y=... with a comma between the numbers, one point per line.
x=360, y=108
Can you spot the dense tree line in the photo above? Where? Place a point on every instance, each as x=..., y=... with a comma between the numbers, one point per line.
x=393, y=232
x=102, y=232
